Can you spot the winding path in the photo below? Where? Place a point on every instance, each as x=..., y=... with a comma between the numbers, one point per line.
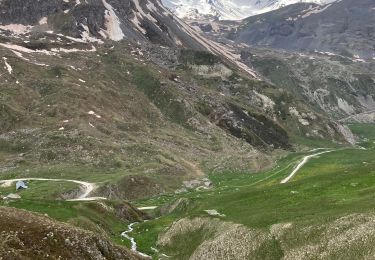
x=302, y=163
x=86, y=187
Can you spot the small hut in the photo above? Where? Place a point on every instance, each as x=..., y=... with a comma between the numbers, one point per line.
x=21, y=185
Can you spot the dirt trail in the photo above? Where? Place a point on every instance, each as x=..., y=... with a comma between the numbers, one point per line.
x=302, y=163
x=86, y=187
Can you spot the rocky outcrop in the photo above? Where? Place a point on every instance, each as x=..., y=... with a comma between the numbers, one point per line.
x=219, y=239
x=131, y=187
x=98, y=20
x=25, y=235
x=348, y=237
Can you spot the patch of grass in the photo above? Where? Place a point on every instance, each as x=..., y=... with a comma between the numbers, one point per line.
x=198, y=57
x=364, y=131
x=160, y=95
x=43, y=190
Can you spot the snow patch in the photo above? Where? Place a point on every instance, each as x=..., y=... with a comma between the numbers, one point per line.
x=86, y=35
x=16, y=28
x=7, y=66
x=44, y=20
x=147, y=208
x=94, y=114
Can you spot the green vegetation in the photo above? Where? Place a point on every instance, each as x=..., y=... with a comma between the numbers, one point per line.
x=160, y=95
x=41, y=190
x=329, y=186
x=100, y=217
x=192, y=57
x=153, y=129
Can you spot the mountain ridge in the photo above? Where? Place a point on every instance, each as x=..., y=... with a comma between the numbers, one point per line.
x=228, y=9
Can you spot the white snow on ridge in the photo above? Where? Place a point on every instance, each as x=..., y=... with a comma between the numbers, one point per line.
x=53, y=51
x=229, y=9
x=16, y=28
x=212, y=46
x=8, y=67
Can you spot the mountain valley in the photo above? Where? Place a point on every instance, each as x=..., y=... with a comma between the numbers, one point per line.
x=185, y=128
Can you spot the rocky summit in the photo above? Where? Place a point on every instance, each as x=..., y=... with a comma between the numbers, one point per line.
x=138, y=129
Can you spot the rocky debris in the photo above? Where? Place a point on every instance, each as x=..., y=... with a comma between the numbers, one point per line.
x=12, y=196
x=128, y=212
x=301, y=118
x=346, y=133
x=212, y=71
x=364, y=117
x=177, y=206
x=196, y=184
x=256, y=129
x=131, y=187
x=27, y=235
x=181, y=190
x=220, y=240
x=334, y=83
x=214, y=212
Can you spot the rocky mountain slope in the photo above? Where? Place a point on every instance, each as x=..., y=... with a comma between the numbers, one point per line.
x=340, y=86
x=281, y=241
x=140, y=110
x=330, y=68
x=124, y=95
x=343, y=27
x=26, y=235
x=94, y=21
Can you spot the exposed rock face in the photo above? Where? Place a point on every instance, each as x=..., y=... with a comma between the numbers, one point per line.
x=342, y=87
x=250, y=127
x=99, y=19
x=343, y=27
x=131, y=187
x=25, y=235
x=141, y=21
x=127, y=212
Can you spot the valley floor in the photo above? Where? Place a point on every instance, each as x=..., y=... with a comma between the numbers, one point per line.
x=314, y=203
x=309, y=192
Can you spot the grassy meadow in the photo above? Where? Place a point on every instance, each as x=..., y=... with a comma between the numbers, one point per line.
x=327, y=187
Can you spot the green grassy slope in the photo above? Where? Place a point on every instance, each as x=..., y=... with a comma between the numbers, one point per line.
x=328, y=187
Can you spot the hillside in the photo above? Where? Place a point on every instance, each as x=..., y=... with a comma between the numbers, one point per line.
x=121, y=111
x=342, y=27
x=127, y=123
x=26, y=235
x=341, y=86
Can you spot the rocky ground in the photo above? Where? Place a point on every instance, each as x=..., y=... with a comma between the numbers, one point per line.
x=26, y=235
x=348, y=237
